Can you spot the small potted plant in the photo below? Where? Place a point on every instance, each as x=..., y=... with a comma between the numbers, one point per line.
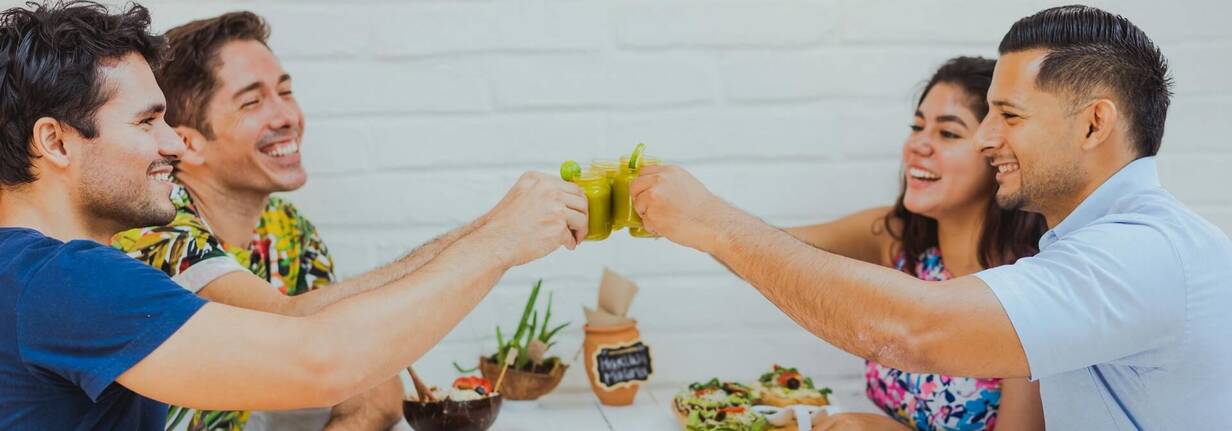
x=533, y=374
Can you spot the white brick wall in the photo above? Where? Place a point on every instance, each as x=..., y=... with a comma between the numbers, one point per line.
x=422, y=113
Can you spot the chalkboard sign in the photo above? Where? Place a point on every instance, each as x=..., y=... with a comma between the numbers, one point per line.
x=619, y=366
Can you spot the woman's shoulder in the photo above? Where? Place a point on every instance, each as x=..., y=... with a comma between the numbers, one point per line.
x=886, y=230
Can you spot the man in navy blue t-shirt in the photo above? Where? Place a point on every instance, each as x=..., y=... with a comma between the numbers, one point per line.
x=91, y=339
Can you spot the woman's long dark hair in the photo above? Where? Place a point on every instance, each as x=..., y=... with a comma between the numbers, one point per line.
x=1007, y=235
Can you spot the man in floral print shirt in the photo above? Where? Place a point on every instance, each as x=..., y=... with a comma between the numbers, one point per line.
x=231, y=102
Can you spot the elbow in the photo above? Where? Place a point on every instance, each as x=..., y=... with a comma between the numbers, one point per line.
x=908, y=346
x=326, y=377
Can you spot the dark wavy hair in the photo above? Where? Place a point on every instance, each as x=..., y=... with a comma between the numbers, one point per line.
x=187, y=77
x=1091, y=50
x=50, y=55
x=1007, y=235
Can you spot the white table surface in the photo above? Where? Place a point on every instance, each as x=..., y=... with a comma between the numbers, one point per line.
x=581, y=411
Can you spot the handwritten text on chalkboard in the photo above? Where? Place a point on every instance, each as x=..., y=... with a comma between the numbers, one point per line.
x=623, y=365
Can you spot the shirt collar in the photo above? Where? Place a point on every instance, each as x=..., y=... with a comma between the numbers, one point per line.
x=1137, y=176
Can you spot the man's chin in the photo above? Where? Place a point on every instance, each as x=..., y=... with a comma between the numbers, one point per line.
x=156, y=216
x=283, y=179
x=1010, y=200
x=289, y=183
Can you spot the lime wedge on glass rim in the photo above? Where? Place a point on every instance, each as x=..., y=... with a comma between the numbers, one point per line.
x=635, y=159
x=570, y=170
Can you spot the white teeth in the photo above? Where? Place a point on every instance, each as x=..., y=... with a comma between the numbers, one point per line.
x=284, y=150
x=164, y=177
x=1007, y=168
x=921, y=174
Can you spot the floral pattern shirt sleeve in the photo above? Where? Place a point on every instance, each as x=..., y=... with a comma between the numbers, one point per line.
x=185, y=249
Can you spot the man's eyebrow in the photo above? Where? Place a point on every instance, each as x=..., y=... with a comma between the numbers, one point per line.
x=247, y=88
x=153, y=109
x=255, y=85
x=1004, y=103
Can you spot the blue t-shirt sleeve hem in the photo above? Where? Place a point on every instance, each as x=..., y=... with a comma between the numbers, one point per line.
x=1000, y=281
x=158, y=332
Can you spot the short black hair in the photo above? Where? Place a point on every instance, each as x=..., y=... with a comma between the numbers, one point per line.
x=1089, y=49
x=50, y=55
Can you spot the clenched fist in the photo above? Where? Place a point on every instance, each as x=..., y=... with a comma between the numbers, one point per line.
x=674, y=204
x=538, y=215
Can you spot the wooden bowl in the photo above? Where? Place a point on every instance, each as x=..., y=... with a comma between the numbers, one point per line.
x=523, y=385
x=449, y=415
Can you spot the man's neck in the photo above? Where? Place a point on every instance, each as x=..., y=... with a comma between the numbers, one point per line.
x=1061, y=207
x=958, y=237
x=35, y=206
x=231, y=214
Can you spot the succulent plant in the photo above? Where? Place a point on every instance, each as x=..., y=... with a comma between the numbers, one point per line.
x=532, y=338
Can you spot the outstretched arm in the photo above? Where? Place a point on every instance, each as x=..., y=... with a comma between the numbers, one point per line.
x=955, y=327
x=263, y=361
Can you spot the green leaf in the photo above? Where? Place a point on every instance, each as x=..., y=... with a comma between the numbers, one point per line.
x=464, y=370
x=547, y=317
x=552, y=333
x=534, y=323
x=530, y=305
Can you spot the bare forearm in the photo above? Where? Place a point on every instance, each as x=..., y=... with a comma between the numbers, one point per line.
x=955, y=327
x=378, y=409
x=316, y=300
x=860, y=311
x=402, y=321
x=413, y=261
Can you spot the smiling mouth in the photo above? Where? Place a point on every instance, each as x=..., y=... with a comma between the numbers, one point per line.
x=922, y=174
x=281, y=150
x=163, y=171
x=1006, y=168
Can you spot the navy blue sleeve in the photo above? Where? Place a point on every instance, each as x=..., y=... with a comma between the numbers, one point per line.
x=91, y=313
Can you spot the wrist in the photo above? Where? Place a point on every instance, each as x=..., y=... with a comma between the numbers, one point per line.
x=724, y=227
x=491, y=244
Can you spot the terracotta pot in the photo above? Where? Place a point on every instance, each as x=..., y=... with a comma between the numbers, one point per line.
x=522, y=385
x=613, y=337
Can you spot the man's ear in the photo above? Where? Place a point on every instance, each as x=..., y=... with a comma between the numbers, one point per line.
x=194, y=143
x=49, y=142
x=1100, y=119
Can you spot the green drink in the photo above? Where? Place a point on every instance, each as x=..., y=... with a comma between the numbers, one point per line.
x=599, y=200
x=622, y=203
x=610, y=168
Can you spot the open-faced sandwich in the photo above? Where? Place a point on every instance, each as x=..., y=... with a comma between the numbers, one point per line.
x=717, y=406
x=782, y=387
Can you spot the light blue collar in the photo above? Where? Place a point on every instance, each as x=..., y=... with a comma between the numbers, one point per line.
x=1137, y=176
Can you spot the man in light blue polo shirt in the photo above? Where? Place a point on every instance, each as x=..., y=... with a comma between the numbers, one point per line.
x=1123, y=316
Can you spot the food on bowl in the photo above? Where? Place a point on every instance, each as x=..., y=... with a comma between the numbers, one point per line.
x=466, y=388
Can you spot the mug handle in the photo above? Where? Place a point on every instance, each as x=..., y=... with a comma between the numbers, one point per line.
x=814, y=414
